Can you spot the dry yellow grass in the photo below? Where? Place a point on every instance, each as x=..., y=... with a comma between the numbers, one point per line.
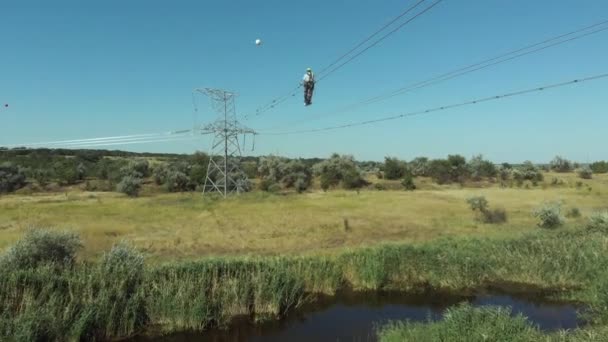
x=178, y=226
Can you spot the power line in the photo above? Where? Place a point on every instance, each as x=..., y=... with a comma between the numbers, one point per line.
x=502, y=58
x=275, y=102
x=407, y=10
x=435, y=109
x=379, y=40
x=95, y=140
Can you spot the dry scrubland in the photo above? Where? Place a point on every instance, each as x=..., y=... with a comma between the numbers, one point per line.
x=185, y=226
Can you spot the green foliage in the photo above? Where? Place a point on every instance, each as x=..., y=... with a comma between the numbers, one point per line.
x=465, y=323
x=394, y=168
x=160, y=173
x=599, y=167
x=339, y=170
x=12, y=177
x=420, y=167
x=585, y=172
x=480, y=168
x=177, y=181
x=42, y=176
x=559, y=164
x=279, y=170
x=129, y=185
x=527, y=172
x=39, y=247
x=549, y=215
x=197, y=175
x=598, y=222
x=139, y=168
x=573, y=213
x=478, y=203
x=274, y=188
x=408, y=182
x=450, y=170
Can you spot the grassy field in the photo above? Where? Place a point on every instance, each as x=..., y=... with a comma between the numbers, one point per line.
x=185, y=226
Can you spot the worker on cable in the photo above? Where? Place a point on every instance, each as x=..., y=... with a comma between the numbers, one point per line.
x=309, y=85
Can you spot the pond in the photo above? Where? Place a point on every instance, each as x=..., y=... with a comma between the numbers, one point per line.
x=354, y=317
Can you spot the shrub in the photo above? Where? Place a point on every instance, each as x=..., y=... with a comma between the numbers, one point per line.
x=452, y=169
x=498, y=215
x=559, y=164
x=598, y=222
x=478, y=203
x=274, y=188
x=394, y=168
x=301, y=185
x=549, y=215
x=12, y=177
x=137, y=168
x=420, y=167
x=339, y=170
x=599, y=167
x=379, y=186
x=408, y=182
x=40, y=247
x=129, y=185
x=42, y=176
x=160, y=174
x=480, y=168
x=585, y=172
x=177, y=181
x=573, y=213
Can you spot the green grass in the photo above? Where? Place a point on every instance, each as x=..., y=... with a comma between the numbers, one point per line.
x=117, y=297
x=182, y=226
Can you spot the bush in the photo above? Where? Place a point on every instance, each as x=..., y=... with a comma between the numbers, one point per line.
x=274, y=188
x=379, y=187
x=265, y=184
x=420, y=167
x=341, y=170
x=453, y=169
x=137, y=168
x=549, y=215
x=177, y=181
x=585, y=173
x=599, y=167
x=598, y=222
x=480, y=168
x=478, y=203
x=129, y=185
x=394, y=168
x=12, y=177
x=573, y=213
x=301, y=185
x=42, y=176
x=498, y=215
x=160, y=174
x=40, y=247
x=408, y=182
x=559, y=164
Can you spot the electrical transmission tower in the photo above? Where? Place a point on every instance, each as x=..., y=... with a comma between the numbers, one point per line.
x=223, y=172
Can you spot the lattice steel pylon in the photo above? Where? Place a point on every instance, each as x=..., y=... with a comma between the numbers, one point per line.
x=223, y=172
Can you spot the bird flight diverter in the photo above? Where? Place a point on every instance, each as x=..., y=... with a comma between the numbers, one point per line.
x=258, y=42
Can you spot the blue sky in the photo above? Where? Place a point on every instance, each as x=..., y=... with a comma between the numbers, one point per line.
x=74, y=69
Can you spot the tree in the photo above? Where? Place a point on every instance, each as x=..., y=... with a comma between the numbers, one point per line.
x=339, y=170
x=559, y=164
x=12, y=177
x=394, y=168
x=599, y=167
x=480, y=168
x=420, y=167
x=129, y=185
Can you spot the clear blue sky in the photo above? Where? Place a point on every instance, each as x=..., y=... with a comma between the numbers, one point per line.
x=85, y=69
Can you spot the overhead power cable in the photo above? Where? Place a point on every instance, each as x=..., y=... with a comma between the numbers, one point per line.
x=502, y=58
x=331, y=68
x=441, y=108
